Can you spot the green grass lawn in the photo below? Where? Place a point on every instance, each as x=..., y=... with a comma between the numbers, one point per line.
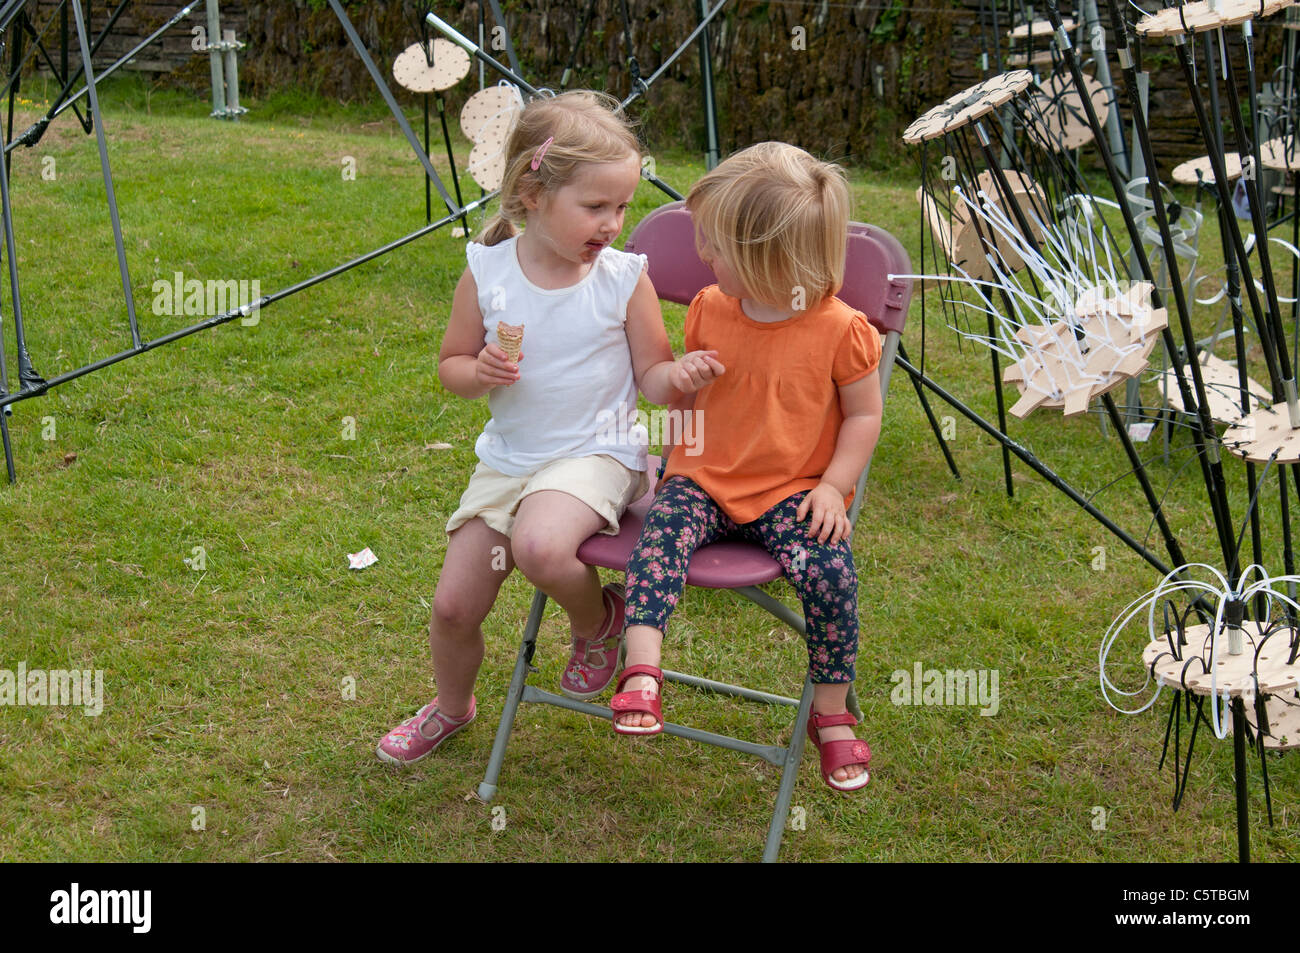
x=227, y=687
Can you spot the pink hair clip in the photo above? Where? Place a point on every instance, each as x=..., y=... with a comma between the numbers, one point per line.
x=540, y=154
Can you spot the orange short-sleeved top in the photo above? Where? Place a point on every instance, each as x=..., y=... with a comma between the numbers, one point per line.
x=767, y=427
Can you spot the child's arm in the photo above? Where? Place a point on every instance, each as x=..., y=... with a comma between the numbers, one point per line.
x=658, y=376
x=466, y=366
x=861, y=405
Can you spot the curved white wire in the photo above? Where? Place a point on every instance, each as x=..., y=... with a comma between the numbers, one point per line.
x=1223, y=594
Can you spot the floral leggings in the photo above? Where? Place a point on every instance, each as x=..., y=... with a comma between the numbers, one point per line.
x=684, y=518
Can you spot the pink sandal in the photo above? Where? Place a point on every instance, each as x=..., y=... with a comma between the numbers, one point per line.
x=839, y=754
x=421, y=736
x=594, y=662
x=627, y=703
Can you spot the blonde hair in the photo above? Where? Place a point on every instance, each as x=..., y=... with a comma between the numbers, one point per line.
x=585, y=127
x=779, y=219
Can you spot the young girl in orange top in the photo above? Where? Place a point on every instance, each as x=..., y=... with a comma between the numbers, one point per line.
x=788, y=415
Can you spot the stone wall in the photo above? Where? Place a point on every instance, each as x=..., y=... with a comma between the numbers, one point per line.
x=839, y=78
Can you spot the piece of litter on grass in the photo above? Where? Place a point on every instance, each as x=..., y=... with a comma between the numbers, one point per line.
x=362, y=559
x=437, y=446
x=1141, y=432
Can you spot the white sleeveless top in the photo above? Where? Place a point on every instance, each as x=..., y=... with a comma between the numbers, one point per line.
x=576, y=394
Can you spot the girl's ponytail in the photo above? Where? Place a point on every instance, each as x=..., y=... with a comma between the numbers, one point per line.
x=498, y=229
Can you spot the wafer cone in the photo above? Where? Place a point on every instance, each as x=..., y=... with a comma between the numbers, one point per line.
x=511, y=339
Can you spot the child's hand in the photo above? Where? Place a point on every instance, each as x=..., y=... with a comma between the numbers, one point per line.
x=829, y=522
x=694, y=370
x=495, y=369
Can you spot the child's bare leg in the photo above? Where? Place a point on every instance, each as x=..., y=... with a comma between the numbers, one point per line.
x=477, y=562
x=644, y=645
x=832, y=699
x=549, y=527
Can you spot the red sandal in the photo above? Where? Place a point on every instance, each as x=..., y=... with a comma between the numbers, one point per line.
x=625, y=703
x=839, y=754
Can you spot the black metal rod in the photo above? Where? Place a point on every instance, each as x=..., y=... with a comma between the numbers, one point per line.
x=577, y=43
x=428, y=186
x=704, y=24
x=125, y=58
x=77, y=73
x=934, y=424
x=663, y=186
x=27, y=375
x=9, y=452
x=230, y=315
x=1248, y=142
x=387, y=93
x=55, y=72
x=1239, y=764
x=15, y=81
x=996, y=368
x=711, y=154
x=987, y=240
x=451, y=157
x=1038, y=467
x=1139, y=470
x=505, y=32
x=98, y=119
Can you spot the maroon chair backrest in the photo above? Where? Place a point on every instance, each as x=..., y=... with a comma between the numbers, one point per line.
x=667, y=238
x=873, y=255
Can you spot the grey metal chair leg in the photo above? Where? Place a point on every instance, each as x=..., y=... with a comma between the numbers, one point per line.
x=488, y=789
x=789, y=774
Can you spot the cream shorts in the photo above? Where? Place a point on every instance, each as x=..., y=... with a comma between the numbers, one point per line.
x=600, y=481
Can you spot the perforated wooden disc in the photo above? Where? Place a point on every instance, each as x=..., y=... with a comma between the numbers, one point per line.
x=487, y=119
x=1199, y=16
x=1236, y=674
x=967, y=106
x=1185, y=172
x=1039, y=28
x=1221, y=390
x=1282, y=155
x=1061, y=109
x=412, y=70
x=1264, y=430
x=1283, y=713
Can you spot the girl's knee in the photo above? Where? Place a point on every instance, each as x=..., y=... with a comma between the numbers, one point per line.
x=454, y=613
x=540, y=556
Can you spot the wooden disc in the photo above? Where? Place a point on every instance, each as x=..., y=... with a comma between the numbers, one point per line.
x=1283, y=713
x=411, y=69
x=1264, y=430
x=1120, y=333
x=1236, y=674
x=487, y=119
x=1039, y=28
x=1185, y=173
x=967, y=106
x=1199, y=16
x=1282, y=155
x=1222, y=392
x=1061, y=108
x=1019, y=60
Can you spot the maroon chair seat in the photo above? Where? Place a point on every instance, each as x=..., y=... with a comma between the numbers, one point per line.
x=721, y=565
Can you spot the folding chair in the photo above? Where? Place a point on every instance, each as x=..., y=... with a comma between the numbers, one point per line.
x=667, y=237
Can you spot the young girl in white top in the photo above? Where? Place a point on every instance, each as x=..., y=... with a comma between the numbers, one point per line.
x=552, y=470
